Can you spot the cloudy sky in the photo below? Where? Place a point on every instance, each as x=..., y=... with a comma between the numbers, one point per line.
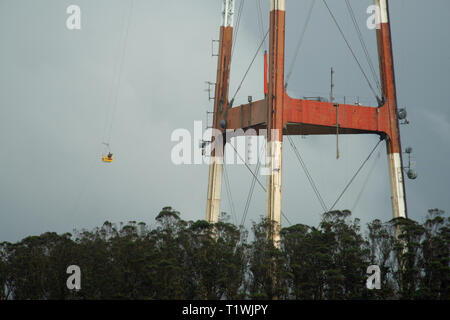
x=60, y=92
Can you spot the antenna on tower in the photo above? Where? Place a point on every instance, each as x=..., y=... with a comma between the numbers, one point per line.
x=215, y=48
x=208, y=89
x=332, y=85
x=402, y=115
x=412, y=174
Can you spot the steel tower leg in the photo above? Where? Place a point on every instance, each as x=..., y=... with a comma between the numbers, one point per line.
x=393, y=143
x=220, y=109
x=275, y=99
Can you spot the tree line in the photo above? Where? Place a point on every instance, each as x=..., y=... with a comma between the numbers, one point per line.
x=177, y=259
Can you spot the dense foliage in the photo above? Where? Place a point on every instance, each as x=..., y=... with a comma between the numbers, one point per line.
x=177, y=259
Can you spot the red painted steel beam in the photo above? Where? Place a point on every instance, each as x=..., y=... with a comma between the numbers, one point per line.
x=388, y=78
x=248, y=115
x=325, y=115
x=308, y=117
x=276, y=93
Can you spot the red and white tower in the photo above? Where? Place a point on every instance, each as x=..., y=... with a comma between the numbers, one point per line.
x=283, y=115
x=393, y=143
x=220, y=109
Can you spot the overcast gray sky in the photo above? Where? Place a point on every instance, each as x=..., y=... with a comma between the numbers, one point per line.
x=57, y=88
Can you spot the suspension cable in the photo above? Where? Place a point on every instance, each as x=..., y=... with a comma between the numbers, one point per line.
x=127, y=28
x=308, y=175
x=363, y=45
x=252, y=187
x=248, y=69
x=229, y=195
x=354, y=176
x=352, y=52
x=260, y=18
x=236, y=29
x=299, y=44
x=257, y=180
x=366, y=181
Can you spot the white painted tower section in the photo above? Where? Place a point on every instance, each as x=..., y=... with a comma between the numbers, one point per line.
x=214, y=189
x=228, y=13
x=382, y=5
x=273, y=187
x=398, y=194
x=278, y=5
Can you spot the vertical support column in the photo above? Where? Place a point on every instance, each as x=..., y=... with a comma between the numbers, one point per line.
x=275, y=98
x=220, y=107
x=387, y=75
x=265, y=75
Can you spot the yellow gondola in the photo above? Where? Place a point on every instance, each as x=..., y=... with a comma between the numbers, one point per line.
x=108, y=158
